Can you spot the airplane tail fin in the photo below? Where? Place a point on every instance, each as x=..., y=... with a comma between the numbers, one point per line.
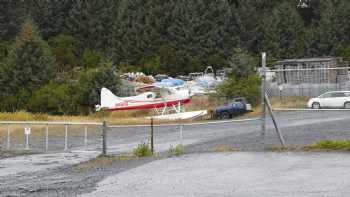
x=108, y=99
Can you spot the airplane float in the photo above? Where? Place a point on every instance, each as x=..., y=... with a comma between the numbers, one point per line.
x=165, y=101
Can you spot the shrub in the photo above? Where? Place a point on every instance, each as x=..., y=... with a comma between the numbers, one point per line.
x=53, y=98
x=177, y=150
x=143, y=150
x=248, y=87
x=90, y=83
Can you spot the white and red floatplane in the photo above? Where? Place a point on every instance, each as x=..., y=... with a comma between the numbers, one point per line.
x=165, y=98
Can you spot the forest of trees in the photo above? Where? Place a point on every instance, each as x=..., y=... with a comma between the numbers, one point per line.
x=79, y=45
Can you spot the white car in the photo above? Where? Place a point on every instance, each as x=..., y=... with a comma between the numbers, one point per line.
x=336, y=99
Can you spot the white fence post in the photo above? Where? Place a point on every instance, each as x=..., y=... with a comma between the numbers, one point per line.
x=8, y=137
x=85, y=137
x=263, y=92
x=181, y=131
x=66, y=138
x=47, y=138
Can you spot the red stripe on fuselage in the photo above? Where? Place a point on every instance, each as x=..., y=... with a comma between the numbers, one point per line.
x=153, y=105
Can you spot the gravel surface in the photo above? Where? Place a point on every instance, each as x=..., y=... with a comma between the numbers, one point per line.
x=57, y=179
x=235, y=174
x=63, y=181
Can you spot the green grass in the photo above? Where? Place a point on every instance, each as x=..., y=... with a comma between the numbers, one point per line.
x=177, y=150
x=343, y=145
x=281, y=148
x=143, y=150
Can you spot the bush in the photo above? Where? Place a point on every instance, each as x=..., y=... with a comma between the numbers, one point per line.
x=177, y=150
x=248, y=87
x=143, y=150
x=90, y=83
x=53, y=98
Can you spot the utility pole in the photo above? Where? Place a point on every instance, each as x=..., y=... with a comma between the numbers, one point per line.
x=104, y=138
x=263, y=91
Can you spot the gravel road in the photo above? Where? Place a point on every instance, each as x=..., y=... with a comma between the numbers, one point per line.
x=298, y=128
x=235, y=174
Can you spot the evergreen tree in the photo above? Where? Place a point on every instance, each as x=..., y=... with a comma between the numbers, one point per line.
x=129, y=47
x=64, y=48
x=331, y=31
x=50, y=16
x=11, y=18
x=29, y=65
x=90, y=22
x=90, y=83
x=284, y=32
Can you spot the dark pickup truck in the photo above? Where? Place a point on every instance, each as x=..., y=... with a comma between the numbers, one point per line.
x=237, y=107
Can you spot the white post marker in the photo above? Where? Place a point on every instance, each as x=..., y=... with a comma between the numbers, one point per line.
x=47, y=138
x=181, y=131
x=85, y=137
x=27, y=133
x=66, y=138
x=8, y=137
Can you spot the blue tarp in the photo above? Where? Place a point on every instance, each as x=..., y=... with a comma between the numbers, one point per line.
x=171, y=82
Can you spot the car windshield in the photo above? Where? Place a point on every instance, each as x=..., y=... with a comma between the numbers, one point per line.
x=326, y=95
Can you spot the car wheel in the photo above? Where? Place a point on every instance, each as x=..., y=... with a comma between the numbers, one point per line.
x=316, y=105
x=347, y=105
x=224, y=115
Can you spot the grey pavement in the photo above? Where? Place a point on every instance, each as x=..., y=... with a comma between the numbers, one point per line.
x=234, y=174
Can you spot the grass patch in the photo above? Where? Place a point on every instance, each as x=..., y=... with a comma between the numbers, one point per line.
x=223, y=148
x=101, y=162
x=290, y=102
x=177, y=150
x=281, y=148
x=343, y=145
x=143, y=150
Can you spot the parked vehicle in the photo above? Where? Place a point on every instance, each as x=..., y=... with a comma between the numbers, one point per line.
x=335, y=99
x=237, y=107
x=160, y=77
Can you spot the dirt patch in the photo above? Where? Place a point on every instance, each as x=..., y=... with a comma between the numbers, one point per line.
x=68, y=180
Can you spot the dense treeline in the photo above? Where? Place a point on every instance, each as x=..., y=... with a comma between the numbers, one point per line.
x=78, y=38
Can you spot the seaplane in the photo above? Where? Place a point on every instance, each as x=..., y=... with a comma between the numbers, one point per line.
x=166, y=102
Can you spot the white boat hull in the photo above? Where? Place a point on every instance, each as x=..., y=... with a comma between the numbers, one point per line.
x=181, y=116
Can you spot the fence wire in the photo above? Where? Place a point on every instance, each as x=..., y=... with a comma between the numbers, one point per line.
x=290, y=90
x=52, y=137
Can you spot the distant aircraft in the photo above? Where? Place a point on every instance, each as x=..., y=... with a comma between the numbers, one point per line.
x=159, y=98
x=167, y=99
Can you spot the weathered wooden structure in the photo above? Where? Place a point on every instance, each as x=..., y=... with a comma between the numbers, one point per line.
x=312, y=71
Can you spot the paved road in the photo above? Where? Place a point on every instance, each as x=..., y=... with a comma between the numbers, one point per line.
x=298, y=128
x=235, y=174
